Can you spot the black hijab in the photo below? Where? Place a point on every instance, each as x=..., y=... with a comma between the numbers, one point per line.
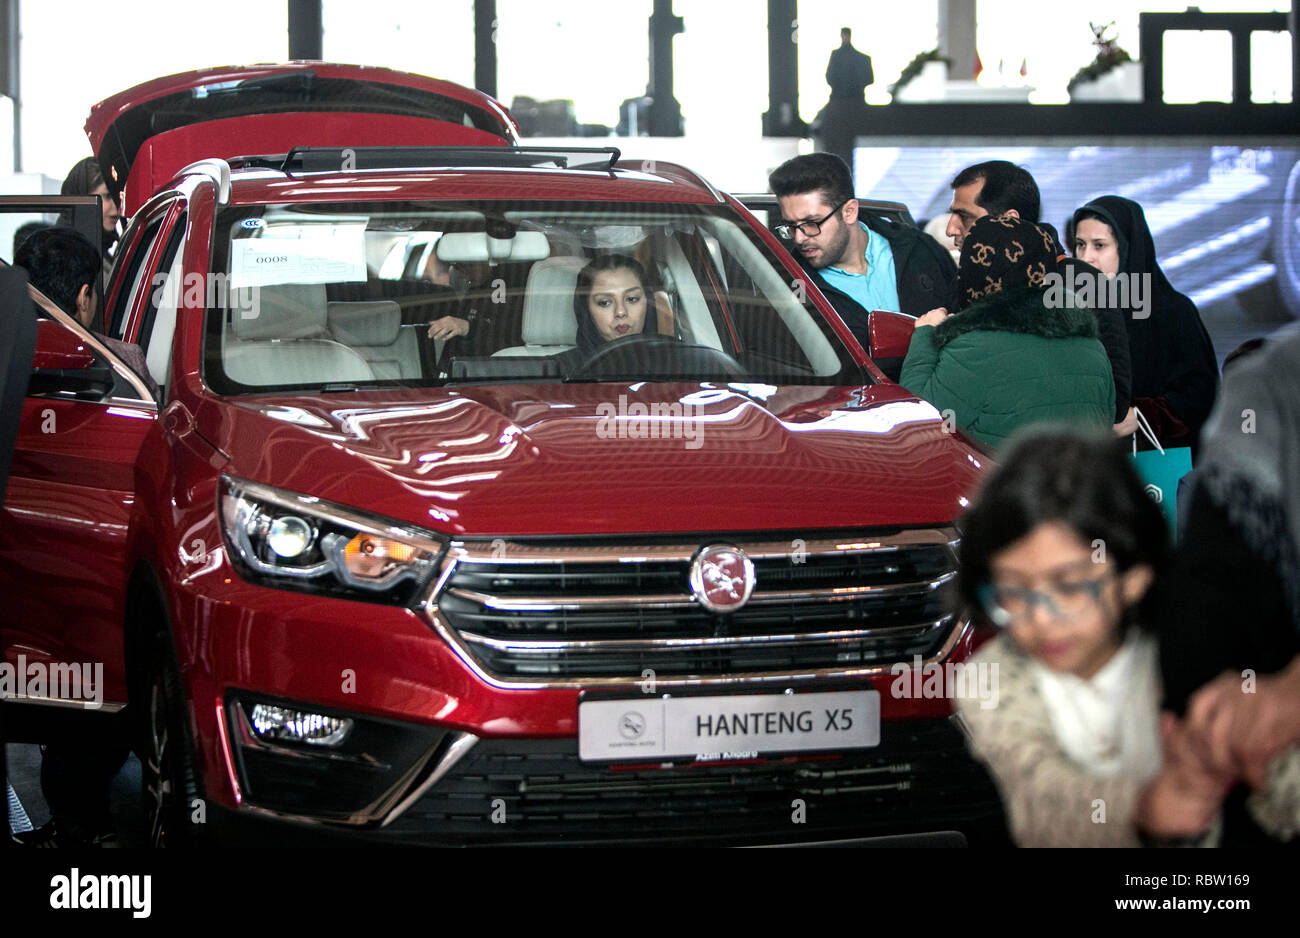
x=589, y=339
x=1173, y=359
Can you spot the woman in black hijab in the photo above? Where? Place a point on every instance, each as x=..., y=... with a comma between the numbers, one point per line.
x=612, y=300
x=1175, y=374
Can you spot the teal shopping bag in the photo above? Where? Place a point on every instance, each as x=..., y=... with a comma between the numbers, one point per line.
x=1161, y=470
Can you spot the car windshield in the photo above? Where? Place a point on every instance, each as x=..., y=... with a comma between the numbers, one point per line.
x=354, y=295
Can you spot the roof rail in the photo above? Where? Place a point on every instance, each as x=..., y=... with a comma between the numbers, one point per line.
x=218, y=171
x=262, y=161
x=674, y=171
x=336, y=159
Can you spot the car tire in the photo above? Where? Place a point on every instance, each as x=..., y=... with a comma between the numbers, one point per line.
x=169, y=788
x=1286, y=243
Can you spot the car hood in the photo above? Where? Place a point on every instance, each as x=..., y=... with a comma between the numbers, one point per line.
x=609, y=459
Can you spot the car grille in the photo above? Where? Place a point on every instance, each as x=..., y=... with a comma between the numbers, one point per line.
x=920, y=778
x=527, y=613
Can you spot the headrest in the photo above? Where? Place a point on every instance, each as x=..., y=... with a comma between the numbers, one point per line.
x=283, y=311
x=373, y=322
x=467, y=247
x=548, y=302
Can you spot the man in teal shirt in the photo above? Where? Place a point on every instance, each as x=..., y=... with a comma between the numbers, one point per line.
x=859, y=262
x=874, y=284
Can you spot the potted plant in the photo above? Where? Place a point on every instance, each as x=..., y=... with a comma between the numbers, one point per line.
x=931, y=67
x=1113, y=75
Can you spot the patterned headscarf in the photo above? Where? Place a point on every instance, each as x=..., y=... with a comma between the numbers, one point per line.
x=1003, y=254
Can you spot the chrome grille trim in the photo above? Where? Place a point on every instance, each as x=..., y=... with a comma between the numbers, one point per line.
x=499, y=552
x=538, y=604
x=674, y=682
x=455, y=752
x=673, y=601
x=502, y=551
x=655, y=644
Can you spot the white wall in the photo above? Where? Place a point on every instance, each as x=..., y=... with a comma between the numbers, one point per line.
x=75, y=54
x=22, y=184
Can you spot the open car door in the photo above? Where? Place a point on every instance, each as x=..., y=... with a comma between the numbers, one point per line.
x=66, y=515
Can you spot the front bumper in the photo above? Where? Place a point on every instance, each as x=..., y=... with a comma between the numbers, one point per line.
x=454, y=788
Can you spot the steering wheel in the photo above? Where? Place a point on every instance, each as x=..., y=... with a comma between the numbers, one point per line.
x=641, y=351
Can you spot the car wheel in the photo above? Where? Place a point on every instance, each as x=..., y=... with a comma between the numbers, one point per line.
x=168, y=778
x=1286, y=243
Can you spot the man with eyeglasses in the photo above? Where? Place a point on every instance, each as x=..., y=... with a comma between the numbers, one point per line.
x=858, y=261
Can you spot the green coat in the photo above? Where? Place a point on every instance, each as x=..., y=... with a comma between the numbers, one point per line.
x=1005, y=362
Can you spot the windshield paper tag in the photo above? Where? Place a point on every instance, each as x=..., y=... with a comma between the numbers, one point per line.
x=264, y=262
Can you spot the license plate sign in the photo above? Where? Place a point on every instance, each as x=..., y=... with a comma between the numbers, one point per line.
x=677, y=727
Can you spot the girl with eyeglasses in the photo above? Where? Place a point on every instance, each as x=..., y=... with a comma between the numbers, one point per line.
x=1063, y=553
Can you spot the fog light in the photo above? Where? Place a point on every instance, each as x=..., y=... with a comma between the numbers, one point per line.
x=289, y=537
x=314, y=729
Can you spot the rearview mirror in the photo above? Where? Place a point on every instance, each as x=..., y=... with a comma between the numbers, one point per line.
x=476, y=247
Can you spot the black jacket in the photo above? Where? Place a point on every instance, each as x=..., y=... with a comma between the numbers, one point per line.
x=849, y=72
x=1113, y=334
x=925, y=276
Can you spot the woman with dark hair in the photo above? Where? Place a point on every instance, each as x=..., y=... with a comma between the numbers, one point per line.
x=1175, y=374
x=1064, y=551
x=1009, y=357
x=612, y=300
x=86, y=178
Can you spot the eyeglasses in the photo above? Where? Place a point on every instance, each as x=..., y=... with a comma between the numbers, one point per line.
x=1007, y=605
x=810, y=229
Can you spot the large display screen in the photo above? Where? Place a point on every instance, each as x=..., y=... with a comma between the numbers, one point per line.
x=1226, y=219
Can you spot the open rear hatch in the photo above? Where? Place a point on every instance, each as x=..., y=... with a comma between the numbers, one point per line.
x=143, y=135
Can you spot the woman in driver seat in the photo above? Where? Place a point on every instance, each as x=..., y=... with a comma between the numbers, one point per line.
x=611, y=302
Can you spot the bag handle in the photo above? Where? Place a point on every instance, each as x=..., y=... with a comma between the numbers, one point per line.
x=1145, y=427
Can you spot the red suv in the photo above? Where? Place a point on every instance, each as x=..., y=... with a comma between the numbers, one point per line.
x=393, y=554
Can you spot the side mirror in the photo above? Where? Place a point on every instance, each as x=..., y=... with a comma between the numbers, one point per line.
x=890, y=334
x=62, y=364
x=58, y=349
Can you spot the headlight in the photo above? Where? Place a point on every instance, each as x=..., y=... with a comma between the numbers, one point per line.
x=297, y=542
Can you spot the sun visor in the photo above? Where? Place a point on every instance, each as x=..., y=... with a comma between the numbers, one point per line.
x=477, y=247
